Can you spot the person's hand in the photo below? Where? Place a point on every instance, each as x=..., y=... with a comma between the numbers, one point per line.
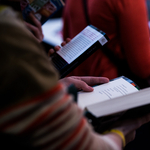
x=57, y=48
x=128, y=127
x=84, y=83
x=35, y=28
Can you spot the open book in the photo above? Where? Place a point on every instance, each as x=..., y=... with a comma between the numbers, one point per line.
x=117, y=99
x=83, y=45
x=42, y=9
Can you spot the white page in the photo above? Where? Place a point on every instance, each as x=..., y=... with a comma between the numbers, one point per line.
x=123, y=103
x=105, y=92
x=80, y=43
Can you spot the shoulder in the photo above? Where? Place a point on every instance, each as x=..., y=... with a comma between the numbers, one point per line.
x=25, y=67
x=7, y=14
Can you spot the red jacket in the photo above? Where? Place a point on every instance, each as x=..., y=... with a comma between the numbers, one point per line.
x=126, y=24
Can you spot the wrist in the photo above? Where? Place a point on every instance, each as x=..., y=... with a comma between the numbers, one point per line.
x=119, y=134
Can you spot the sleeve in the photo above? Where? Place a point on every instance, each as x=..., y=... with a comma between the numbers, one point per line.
x=25, y=67
x=53, y=121
x=33, y=104
x=132, y=18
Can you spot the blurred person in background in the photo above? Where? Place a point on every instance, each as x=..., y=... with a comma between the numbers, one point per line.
x=126, y=24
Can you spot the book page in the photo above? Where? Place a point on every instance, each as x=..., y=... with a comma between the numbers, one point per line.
x=79, y=44
x=107, y=91
x=122, y=103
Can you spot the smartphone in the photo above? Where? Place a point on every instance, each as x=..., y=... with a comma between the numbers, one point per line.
x=78, y=49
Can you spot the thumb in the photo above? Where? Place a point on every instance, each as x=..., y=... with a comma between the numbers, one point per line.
x=87, y=89
x=83, y=86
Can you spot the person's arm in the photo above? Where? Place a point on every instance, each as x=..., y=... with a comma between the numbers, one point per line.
x=55, y=122
x=84, y=83
x=133, y=28
x=81, y=83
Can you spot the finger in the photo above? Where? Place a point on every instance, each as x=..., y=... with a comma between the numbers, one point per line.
x=51, y=51
x=83, y=86
x=57, y=48
x=35, y=21
x=94, y=80
x=63, y=43
x=68, y=40
x=137, y=122
x=130, y=125
x=37, y=27
x=80, y=85
x=142, y=120
x=130, y=137
x=35, y=31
